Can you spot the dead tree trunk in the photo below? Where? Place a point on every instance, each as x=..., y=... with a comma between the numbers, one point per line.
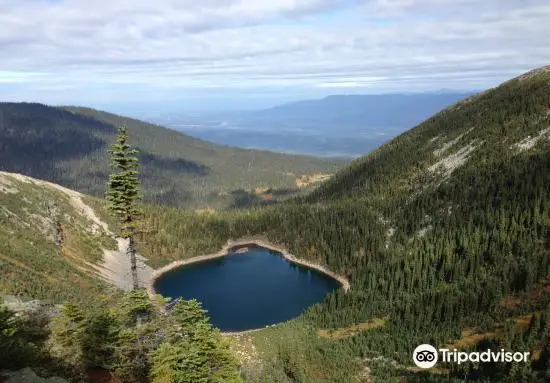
x=131, y=251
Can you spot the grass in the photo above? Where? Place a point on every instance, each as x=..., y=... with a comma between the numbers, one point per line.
x=352, y=330
x=469, y=337
x=32, y=265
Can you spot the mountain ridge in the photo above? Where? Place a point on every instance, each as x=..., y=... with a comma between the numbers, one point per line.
x=458, y=122
x=392, y=109
x=70, y=147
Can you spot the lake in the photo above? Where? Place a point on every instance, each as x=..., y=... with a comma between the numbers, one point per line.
x=249, y=290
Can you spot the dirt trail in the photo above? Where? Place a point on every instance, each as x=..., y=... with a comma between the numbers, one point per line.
x=116, y=267
x=75, y=197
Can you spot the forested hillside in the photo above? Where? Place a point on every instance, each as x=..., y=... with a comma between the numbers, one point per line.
x=486, y=127
x=444, y=233
x=69, y=147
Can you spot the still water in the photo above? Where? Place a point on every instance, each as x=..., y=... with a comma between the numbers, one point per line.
x=248, y=290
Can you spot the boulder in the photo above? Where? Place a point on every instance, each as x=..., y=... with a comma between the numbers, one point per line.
x=26, y=375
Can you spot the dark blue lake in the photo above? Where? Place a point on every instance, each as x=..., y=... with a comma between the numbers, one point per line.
x=248, y=290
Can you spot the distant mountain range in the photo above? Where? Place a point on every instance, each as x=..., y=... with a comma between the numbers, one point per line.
x=340, y=125
x=367, y=111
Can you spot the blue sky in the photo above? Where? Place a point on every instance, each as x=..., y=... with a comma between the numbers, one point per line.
x=231, y=54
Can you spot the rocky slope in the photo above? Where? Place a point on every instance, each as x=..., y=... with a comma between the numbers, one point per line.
x=60, y=239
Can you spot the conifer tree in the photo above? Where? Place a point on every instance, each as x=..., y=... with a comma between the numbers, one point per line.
x=15, y=350
x=123, y=193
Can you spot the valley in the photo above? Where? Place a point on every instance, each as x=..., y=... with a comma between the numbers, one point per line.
x=282, y=191
x=443, y=234
x=345, y=126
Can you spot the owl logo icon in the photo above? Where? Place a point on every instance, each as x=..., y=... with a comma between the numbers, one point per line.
x=425, y=356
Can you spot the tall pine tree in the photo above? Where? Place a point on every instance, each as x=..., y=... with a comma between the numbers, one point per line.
x=123, y=193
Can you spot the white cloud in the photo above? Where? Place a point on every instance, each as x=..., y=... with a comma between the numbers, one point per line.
x=17, y=77
x=173, y=45
x=348, y=84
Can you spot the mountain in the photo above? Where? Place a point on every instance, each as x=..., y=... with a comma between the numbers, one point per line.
x=336, y=126
x=380, y=110
x=484, y=129
x=69, y=147
x=444, y=233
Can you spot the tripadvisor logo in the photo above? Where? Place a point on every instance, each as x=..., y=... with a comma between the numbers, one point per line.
x=426, y=356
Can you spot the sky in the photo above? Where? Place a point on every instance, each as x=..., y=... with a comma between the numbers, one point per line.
x=242, y=54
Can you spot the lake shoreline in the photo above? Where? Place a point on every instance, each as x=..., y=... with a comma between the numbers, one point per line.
x=233, y=245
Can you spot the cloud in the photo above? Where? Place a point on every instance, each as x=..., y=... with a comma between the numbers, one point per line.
x=17, y=77
x=65, y=49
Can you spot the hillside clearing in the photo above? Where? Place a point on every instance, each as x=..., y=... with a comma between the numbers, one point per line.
x=345, y=332
x=529, y=142
x=453, y=161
